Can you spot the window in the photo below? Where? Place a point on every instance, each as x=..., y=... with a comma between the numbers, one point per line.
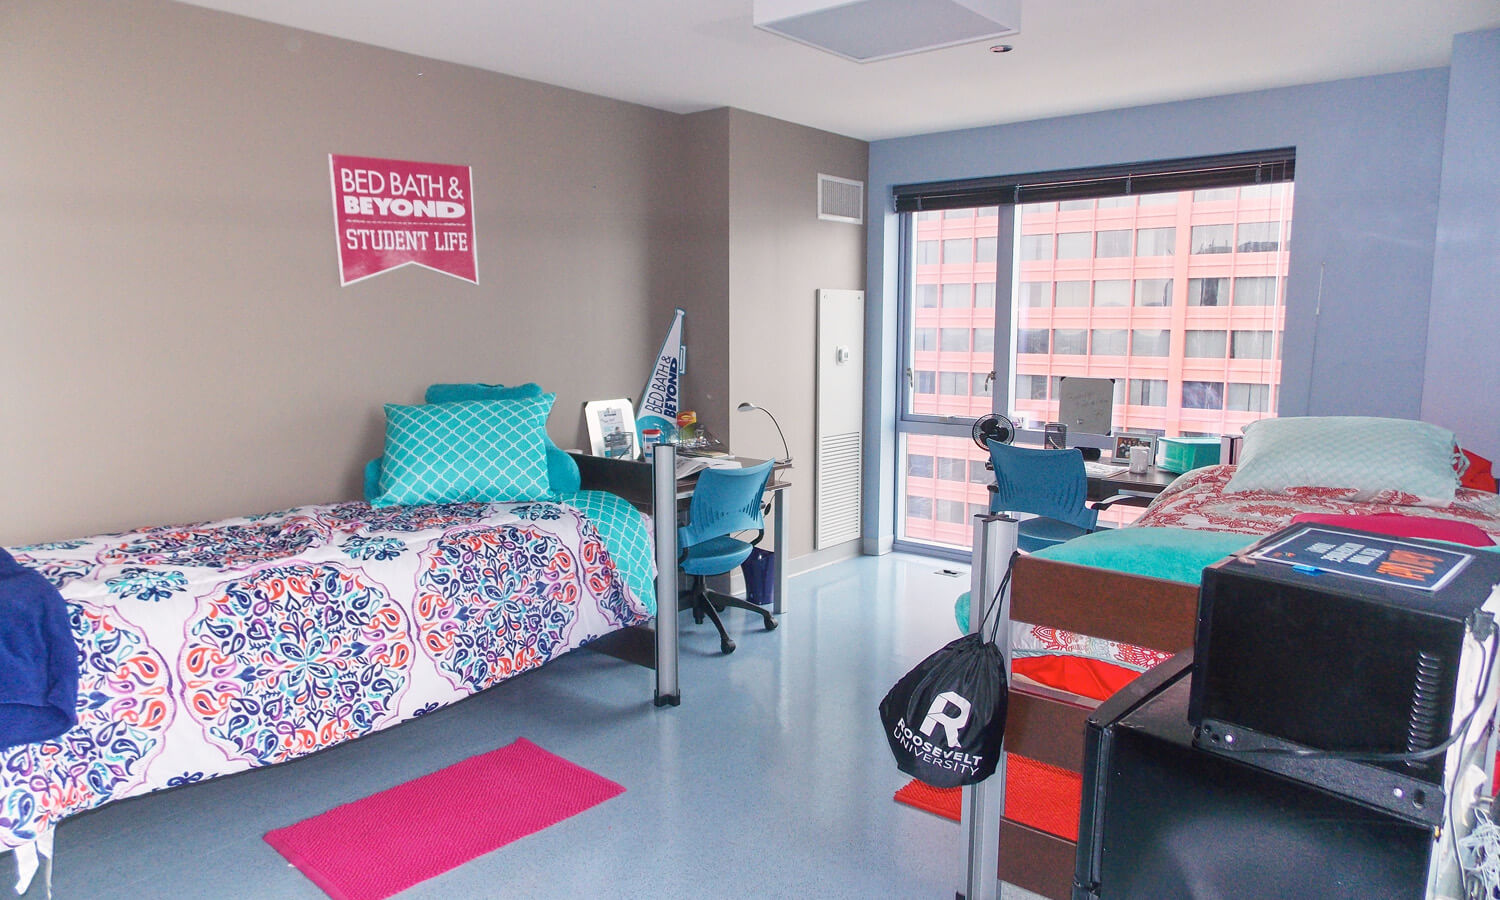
x=977, y=509
x=958, y=250
x=1148, y=391
x=1259, y=237
x=1111, y=293
x=1109, y=342
x=1030, y=208
x=1257, y=290
x=918, y=507
x=955, y=339
x=953, y=384
x=950, y=469
x=984, y=340
x=1202, y=395
x=1072, y=293
x=1032, y=340
x=1208, y=292
x=1212, y=238
x=979, y=384
x=1075, y=245
x=1075, y=205
x=926, y=382
x=1116, y=202
x=1262, y=191
x=1169, y=198
x=1036, y=293
x=1252, y=345
x=928, y=216
x=927, y=296
x=951, y=511
x=1248, y=397
x=979, y=473
x=1155, y=242
x=924, y=339
x=1150, y=342
x=1109, y=244
x=958, y=213
x=1035, y=246
x=1153, y=292
x=1070, y=341
x=927, y=253
x=984, y=295
x=918, y=465
x=1213, y=195
x=1031, y=387
x=955, y=296
x=1205, y=344
x=984, y=249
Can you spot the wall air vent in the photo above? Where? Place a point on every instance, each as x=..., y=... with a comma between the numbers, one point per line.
x=841, y=200
x=870, y=30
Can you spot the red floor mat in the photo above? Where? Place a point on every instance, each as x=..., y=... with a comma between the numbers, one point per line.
x=1037, y=795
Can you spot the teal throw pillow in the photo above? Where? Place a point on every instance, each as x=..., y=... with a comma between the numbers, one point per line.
x=482, y=450
x=562, y=471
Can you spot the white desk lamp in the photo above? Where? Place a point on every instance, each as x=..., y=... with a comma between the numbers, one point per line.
x=786, y=459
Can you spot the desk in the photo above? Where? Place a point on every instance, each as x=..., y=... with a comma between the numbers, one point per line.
x=631, y=479
x=1146, y=485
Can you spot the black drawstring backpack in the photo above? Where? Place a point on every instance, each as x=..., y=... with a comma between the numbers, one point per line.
x=945, y=718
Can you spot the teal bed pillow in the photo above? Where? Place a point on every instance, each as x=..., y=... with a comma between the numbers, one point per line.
x=481, y=450
x=562, y=471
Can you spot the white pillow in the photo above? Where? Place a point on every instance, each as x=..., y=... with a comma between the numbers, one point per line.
x=1362, y=458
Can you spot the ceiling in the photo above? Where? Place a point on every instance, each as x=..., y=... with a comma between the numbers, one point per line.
x=1071, y=56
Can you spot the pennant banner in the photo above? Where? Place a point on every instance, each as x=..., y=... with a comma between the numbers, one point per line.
x=659, y=401
x=391, y=213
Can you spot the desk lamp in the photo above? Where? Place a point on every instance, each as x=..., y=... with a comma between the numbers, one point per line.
x=786, y=459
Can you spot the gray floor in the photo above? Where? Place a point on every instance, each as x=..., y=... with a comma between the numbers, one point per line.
x=771, y=780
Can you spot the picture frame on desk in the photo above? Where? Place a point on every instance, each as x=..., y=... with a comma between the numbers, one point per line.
x=611, y=425
x=1124, y=440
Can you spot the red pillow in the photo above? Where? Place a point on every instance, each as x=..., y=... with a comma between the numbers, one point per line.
x=1397, y=525
x=1478, y=474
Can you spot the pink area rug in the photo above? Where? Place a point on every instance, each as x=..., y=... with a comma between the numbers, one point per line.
x=387, y=842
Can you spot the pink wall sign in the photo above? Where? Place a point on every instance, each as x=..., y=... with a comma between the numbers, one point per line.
x=391, y=213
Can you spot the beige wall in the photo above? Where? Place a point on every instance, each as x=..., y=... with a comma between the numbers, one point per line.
x=174, y=342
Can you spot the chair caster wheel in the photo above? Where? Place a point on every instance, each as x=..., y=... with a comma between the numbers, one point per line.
x=697, y=617
x=771, y=624
x=726, y=646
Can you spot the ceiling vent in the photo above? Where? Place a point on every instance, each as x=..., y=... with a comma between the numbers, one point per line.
x=870, y=30
x=840, y=199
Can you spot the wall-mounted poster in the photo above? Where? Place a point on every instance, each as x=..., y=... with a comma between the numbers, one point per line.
x=390, y=213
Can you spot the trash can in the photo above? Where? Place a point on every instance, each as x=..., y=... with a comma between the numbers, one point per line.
x=760, y=576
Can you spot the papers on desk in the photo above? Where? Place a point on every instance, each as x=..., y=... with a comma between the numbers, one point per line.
x=692, y=465
x=1102, y=469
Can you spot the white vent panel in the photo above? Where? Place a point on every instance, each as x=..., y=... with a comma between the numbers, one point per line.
x=841, y=199
x=840, y=417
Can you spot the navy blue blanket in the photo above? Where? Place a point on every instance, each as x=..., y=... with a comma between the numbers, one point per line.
x=38, y=658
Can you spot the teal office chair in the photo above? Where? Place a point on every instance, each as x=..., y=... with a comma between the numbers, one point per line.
x=725, y=502
x=1051, y=485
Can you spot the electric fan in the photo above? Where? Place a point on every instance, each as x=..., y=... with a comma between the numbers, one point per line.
x=993, y=427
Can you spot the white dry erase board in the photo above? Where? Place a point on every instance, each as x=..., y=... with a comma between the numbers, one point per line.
x=1086, y=405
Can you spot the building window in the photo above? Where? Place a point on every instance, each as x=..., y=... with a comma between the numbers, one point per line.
x=1112, y=244
x=1249, y=397
x=979, y=384
x=1035, y=246
x=924, y=339
x=1208, y=292
x=1259, y=290
x=1112, y=293
x=1075, y=245
x=1156, y=242
x=1169, y=198
x=1202, y=395
x=927, y=253
x=956, y=296
x=927, y=296
x=1109, y=342
x=967, y=213
x=1213, y=195
x=984, y=340
x=1032, y=340
x=1252, y=345
x=1212, y=238
x=1148, y=391
x=1075, y=205
x=950, y=469
x=1259, y=237
x=1116, y=202
x=979, y=472
x=1153, y=292
x=918, y=507
x=951, y=511
x=1070, y=341
x=984, y=295
x=1072, y=293
x=1036, y=293
x=1150, y=342
x=1031, y=387
x=955, y=340
x=925, y=382
x=1205, y=344
x=958, y=250
x=985, y=249
x=1262, y=191
x=1031, y=208
x=953, y=384
x=918, y=465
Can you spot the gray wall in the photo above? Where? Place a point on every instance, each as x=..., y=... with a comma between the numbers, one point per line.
x=1462, y=385
x=1369, y=161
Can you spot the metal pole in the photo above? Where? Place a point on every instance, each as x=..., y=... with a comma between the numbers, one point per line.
x=778, y=547
x=994, y=542
x=664, y=521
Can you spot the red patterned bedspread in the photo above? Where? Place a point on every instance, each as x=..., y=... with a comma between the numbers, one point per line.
x=1197, y=500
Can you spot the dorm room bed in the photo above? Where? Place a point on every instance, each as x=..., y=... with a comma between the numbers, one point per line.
x=1088, y=615
x=208, y=649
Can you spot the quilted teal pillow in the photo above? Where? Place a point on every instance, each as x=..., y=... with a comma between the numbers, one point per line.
x=1361, y=458
x=481, y=450
x=562, y=471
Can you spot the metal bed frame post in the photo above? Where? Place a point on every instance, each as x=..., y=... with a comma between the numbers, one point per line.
x=994, y=542
x=664, y=523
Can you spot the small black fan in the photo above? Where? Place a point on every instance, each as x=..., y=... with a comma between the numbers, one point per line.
x=993, y=427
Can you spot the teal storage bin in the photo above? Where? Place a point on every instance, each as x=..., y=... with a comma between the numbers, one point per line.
x=1183, y=454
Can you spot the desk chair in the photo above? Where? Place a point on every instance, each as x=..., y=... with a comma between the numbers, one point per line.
x=725, y=502
x=1051, y=485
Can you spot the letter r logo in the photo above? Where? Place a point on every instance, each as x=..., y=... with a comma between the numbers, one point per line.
x=938, y=715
